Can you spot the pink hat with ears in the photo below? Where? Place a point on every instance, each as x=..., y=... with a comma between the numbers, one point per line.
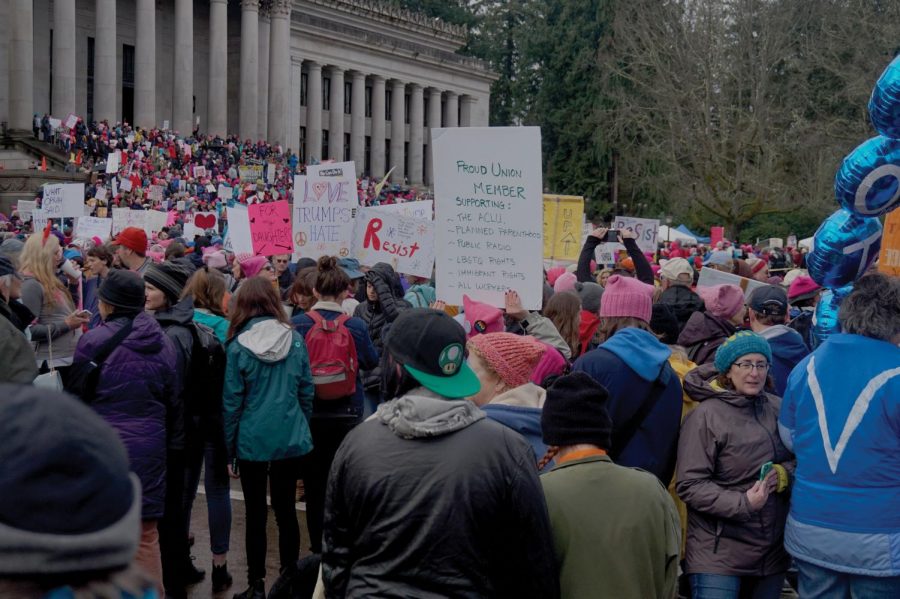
x=565, y=282
x=252, y=266
x=481, y=318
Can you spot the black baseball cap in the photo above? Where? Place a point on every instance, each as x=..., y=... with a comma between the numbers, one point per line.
x=770, y=300
x=431, y=347
x=7, y=268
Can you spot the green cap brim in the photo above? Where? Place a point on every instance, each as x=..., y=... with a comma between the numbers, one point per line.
x=462, y=384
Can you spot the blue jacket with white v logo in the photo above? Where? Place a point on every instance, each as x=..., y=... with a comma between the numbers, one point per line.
x=841, y=417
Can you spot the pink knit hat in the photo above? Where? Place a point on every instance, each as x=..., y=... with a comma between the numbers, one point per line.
x=512, y=357
x=565, y=282
x=215, y=259
x=250, y=267
x=554, y=274
x=723, y=301
x=481, y=318
x=628, y=297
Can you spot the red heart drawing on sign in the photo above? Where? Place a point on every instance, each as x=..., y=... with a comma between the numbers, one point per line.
x=319, y=189
x=205, y=221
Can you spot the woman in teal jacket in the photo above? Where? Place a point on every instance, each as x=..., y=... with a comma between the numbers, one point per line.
x=267, y=404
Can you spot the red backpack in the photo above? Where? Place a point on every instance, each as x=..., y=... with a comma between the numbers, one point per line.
x=332, y=356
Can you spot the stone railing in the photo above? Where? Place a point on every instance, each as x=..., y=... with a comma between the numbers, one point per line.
x=383, y=11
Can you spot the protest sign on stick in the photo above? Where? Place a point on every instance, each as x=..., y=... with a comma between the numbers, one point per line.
x=239, y=239
x=38, y=219
x=89, y=227
x=223, y=192
x=25, y=208
x=407, y=244
x=63, y=200
x=112, y=162
x=270, y=228
x=646, y=230
x=488, y=214
x=563, y=216
x=323, y=216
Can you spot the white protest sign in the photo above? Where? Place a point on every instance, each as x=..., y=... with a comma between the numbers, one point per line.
x=165, y=125
x=38, y=220
x=55, y=123
x=407, y=244
x=423, y=210
x=323, y=216
x=71, y=121
x=646, y=230
x=239, y=237
x=126, y=185
x=112, y=163
x=25, y=208
x=488, y=214
x=156, y=193
x=709, y=277
x=210, y=188
x=63, y=200
x=270, y=173
x=151, y=221
x=89, y=226
x=223, y=193
x=339, y=171
x=100, y=193
x=199, y=171
x=197, y=223
x=608, y=253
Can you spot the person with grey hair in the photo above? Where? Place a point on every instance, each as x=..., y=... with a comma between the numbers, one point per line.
x=15, y=349
x=841, y=418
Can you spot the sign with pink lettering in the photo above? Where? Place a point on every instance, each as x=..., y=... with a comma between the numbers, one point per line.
x=270, y=228
x=407, y=244
x=323, y=216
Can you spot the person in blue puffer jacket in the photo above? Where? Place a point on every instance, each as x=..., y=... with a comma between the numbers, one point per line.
x=841, y=417
x=645, y=395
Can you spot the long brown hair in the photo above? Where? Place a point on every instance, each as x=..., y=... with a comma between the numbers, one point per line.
x=611, y=325
x=255, y=297
x=207, y=287
x=564, y=310
x=331, y=280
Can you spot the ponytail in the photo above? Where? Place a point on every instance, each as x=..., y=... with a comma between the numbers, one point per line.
x=331, y=280
x=552, y=450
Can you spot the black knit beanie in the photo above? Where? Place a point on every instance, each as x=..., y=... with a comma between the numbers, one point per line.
x=67, y=500
x=123, y=289
x=168, y=277
x=663, y=322
x=575, y=412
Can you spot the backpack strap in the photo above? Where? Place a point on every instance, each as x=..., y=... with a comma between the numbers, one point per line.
x=110, y=345
x=623, y=436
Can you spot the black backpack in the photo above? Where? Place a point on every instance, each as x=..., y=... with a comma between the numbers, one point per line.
x=207, y=379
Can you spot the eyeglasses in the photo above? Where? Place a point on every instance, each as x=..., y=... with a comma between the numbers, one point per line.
x=281, y=261
x=748, y=366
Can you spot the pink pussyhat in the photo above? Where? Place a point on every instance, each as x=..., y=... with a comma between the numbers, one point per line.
x=481, y=318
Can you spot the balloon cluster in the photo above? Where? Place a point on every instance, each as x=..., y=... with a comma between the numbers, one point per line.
x=867, y=186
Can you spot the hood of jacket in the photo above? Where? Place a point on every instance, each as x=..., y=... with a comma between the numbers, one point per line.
x=528, y=395
x=146, y=336
x=386, y=273
x=269, y=339
x=17, y=313
x=640, y=350
x=703, y=326
x=786, y=343
x=700, y=385
x=421, y=414
x=181, y=313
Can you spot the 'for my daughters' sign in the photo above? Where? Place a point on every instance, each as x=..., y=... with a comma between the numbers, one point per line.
x=270, y=228
x=407, y=244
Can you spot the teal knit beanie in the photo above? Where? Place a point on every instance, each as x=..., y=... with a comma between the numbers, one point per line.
x=741, y=344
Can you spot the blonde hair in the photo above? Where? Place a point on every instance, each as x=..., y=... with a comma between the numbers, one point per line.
x=38, y=259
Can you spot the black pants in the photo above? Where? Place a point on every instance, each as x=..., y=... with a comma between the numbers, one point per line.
x=282, y=477
x=327, y=432
x=173, y=533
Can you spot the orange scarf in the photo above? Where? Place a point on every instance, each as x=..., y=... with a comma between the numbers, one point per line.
x=580, y=454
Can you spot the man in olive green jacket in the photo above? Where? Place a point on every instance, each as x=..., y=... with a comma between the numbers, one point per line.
x=616, y=531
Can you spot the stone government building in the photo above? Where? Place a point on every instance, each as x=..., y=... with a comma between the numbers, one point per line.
x=345, y=79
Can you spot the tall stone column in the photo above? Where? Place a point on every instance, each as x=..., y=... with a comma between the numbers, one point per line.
x=183, y=75
x=145, y=65
x=279, y=71
x=21, y=64
x=377, y=137
x=105, y=105
x=217, y=98
x=262, y=93
x=358, y=121
x=63, y=58
x=398, y=130
x=336, y=115
x=467, y=104
x=451, y=110
x=247, y=117
x=416, y=132
x=314, y=112
x=434, y=122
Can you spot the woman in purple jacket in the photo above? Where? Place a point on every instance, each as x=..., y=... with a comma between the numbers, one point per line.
x=136, y=385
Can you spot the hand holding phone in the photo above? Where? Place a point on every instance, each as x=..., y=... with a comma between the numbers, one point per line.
x=612, y=236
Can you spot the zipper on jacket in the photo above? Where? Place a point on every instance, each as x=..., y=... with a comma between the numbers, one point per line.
x=719, y=528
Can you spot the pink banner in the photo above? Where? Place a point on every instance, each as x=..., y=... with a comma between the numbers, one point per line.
x=270, y=228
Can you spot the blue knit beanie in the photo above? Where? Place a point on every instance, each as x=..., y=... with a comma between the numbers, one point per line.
x=741, y=344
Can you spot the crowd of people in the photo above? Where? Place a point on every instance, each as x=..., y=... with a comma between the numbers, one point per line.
x=638, y=436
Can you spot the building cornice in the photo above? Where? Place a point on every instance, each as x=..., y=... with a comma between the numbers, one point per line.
x=399, y=17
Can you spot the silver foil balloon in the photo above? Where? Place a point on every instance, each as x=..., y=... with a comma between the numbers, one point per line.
x=825, y=319
x=843, y=248
x=884, y=105
x=868, y=182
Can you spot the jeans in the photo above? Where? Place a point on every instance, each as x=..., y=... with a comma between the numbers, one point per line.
x=216, y=483
x=173, y=532
x=720, y=586
x=327, y=433
x=281, y=476
x=823, y=583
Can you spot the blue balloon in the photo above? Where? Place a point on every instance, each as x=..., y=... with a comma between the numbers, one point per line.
x=825, y=320
x=868, y=182
x=843, y=248
x=884, y=105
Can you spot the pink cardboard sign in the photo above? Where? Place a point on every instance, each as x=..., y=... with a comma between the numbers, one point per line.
x=270, y=228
